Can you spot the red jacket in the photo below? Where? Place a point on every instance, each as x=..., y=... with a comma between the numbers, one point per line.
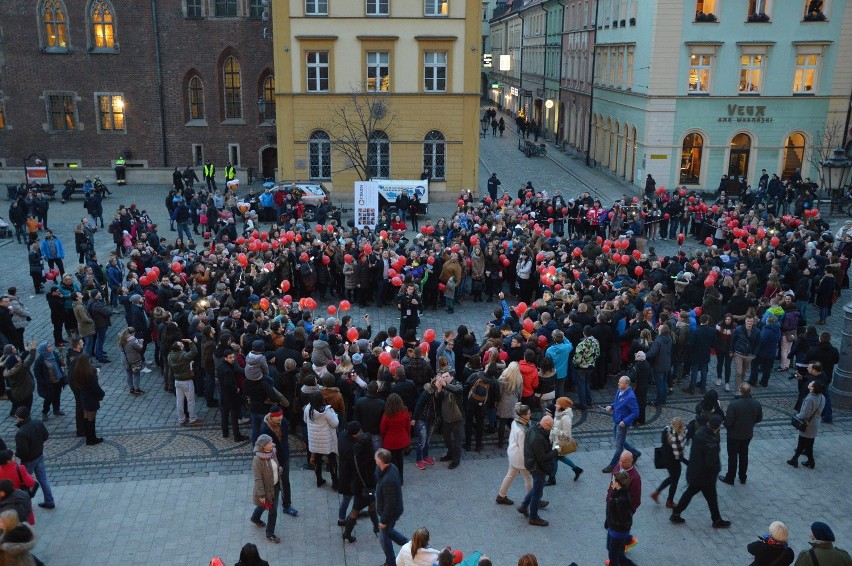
x=530, y=374
x=15, y=473
x=396, y=430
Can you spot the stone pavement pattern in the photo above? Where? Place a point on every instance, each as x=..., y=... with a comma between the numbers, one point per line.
x=187, y=490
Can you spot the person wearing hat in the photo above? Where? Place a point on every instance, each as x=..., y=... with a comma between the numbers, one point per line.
x=771, y=548
x=139, y=320
x=259, y=387
x=822, y=551
x=563, y=417
x=266, y=492
x=701, y=473
x=276, y=427
x=29, y=448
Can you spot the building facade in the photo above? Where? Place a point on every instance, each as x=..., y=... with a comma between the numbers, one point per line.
x=575, y=92
x=378, y=89
x=163, y=83
x=703, y=88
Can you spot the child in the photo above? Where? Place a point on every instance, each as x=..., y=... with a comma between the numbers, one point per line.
x=126, y=242
x=450, y=294
x=202, y=218
x=32, y=228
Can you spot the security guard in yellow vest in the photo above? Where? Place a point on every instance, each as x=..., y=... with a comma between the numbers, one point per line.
x=209, y=175
x=230, y=172
x=120, y=171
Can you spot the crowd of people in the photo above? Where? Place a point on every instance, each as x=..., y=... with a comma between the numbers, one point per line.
x=237, y=314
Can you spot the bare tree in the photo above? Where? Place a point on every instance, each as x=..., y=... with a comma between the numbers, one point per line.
x=354, y=123
x=823, y=145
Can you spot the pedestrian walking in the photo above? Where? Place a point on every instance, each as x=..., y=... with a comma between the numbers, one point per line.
x=674, y=446
x=624, y=411
x=356, y=478
x=29, y=448
x=515, y=453
x=619, y=520
x=812, y=406
x=744, y=412
x=275, y=426
x=701, y=473
x=560, y=434
x=493, y=184
x=539, y=453
x=389, y=504
x=266, y=492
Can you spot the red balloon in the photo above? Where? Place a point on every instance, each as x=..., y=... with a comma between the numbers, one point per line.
x=268, y=266
x=253, y=246
x=275, y=244
x=397, y=342
x=392, y=272
x=383, y=234
x=310, y=304
x=326, y=260
x=401, y=260
x=606, y=249
x=774, y=241
x=666, y=216
x=539, y=257
x=708, y=241
x=348, y=258
x=506, y=262
x=430, y=260
x=424, y=348
x=638, y=271
x=529, y=326
x=329, y=229
x=241, y=240
x=396, y=281
x=429, y=335
x=352, y=334
x=442, y=287
x=345, y=305
x=607, y=242
x=319, y=228
x=297, y=237
x=625, y=259
x=542, y=341
x=285, y=286
x=264, y=246
x=368, y=249
x=521, y=308
x=156, y=271
x=698, y=311
x=286, y=299
x=637, y=254
x=715, y=209
x=460, y=203
x=177, y=267
x=264, y=236
x=303, y=256
x=264, y=303
x=332, y=310
x=255, y=234
x=393, y=365
x=708, y=282
x=577, y=252
x=385, y=359
x=517, y=202
x=616, y=258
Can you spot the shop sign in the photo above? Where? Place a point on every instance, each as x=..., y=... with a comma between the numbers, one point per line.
x=513, y=91
x=745, y=113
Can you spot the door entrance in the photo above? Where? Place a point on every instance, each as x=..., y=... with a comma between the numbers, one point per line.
x=269, y=161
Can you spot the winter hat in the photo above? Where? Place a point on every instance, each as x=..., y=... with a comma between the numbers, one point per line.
x=778, y=531
x=276, y=411
x=8, y=349
x=640, y=356
x=821, y=531
x=716, y=422
x=262, y=441
x=357, y=359
x=136, y=298
x=258, y=346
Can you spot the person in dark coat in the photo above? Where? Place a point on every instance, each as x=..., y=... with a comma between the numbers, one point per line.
x=700, y=342
x=771, y=549
x=660, y=357
x=704, y=465
x=619, y=519
x=744, y=412
x=29, y=448
x=15, y=499
x=356, y=478
x=641, y=377
x=389, y=504
x=767, y=347
x=824, y=295
x=231, y=399
x=368, y=411
x=85, y=379
x=538, y=460
x=275, y=425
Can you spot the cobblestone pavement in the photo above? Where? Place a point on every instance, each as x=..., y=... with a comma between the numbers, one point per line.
x=153, y=481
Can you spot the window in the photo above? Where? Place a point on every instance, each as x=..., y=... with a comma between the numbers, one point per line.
x=814, y=11
x=630, y=55
x=704, y=8
x=196, y=98
x=435, y=71
x=103, y=26
x=226, y=8
x=316, y=7
x=739, y=158
x=110, y=109
x=751, y=72
x=378, y=155
x=690, y=159
x=317, y=74
x=700, y=67
x=441, y=8
x=378, y=7
x=319, y=155
x=378, y=71
x=255, y=8
x=198, y=154
x=62, y=111
x=234, y=154
x=267, y=94
x=54, y=26
x=194, y=8
x=794, y=155
x=804, y=79
x=233, y=89
x=434, y=152
x=758, y=10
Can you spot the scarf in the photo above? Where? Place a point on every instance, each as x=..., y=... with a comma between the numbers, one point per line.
x=265, y=455
x=276, y=428
x=51, y=362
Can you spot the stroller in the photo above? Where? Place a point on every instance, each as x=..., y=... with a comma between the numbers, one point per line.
x=5, y=229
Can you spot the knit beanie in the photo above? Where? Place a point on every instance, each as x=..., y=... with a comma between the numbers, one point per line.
x=821, y=531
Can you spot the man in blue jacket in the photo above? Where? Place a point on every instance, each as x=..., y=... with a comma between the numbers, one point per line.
x=53, y=251
x=767, y=346
x=743, y=345
x=624, y=410
x=560, y=352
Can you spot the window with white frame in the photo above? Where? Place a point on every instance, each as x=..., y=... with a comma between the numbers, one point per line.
x=805, y=76
x=751, y=73
x=435, y=71
x=378, y=155
x=434, y=153
x=316, y=7
x=700, y=71
x=619, y=68
x=378, y=71
x=378, y=7
x=110, y=108
x=317, y=71
x=758, y=7
x=319, y=155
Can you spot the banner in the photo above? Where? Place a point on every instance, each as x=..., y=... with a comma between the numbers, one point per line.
x=366, y=204
x=391, y=189
x=36, y=174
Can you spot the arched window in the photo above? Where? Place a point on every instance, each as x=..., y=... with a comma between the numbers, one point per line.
x=267, y=94
x=794, y=154
x=740, y=154
x=54, y=26
x=319, y=154
x=625, y=148
x=196, y=98
x=690, y=159
x=434, y=154
x=101, y=17
x=233, y=88
x=378, y=155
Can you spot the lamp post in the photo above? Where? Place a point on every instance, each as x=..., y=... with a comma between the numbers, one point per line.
x=835, y=170
x=262, y=104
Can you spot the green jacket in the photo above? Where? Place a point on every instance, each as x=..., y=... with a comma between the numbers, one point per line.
x=826, y=555
x=179, y=362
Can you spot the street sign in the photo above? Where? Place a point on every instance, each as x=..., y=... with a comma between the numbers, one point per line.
x=487, y=59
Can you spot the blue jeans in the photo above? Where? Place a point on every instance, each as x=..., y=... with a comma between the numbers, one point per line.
x=257, y=422
x=36, y=468
x=424, y=433
x=273, y=512
x=100, y=338
x=342, y=511
x=723, y=361
x=533, y=496
x=615, y=550
x=133, y=379
x=183, y=228
x=662, y=384
x=823, y=313
x=388, y=536
x=584, y=393
x=209, y=387
x=621, y=444
x=564, y=460
x=89, y=345
x=803, y=308
x=703, y=381
x=403, y=214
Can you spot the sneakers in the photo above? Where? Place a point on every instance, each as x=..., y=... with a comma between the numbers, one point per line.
x=504, y=500
x=291, y=511
x=631, y=543
x=273, y=538
x=677, y=519
x=196, y=422
x=146, y=370
x=718, y=381
x=538, y=522
x=420, y=465
x=428, y=461
x=721, y=524
x=727, y=387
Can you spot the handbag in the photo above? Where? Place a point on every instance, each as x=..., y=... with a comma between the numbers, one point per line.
x=567, y=447
x=659, y=458
x=134, y=367
x=31, y=491
x=801, y=425
x=365, y=490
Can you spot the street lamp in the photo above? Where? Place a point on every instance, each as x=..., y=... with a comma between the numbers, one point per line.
x=834, y=172
x=262, y=104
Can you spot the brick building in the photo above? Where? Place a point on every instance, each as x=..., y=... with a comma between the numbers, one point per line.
x=165, y=82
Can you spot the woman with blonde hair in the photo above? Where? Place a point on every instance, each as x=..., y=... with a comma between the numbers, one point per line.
x=417, y=551
x=560, y=434
x=511, y=384
x=674, y=443
x=515, y=452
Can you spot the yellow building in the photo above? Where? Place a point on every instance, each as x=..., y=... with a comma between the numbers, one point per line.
x=415, y=63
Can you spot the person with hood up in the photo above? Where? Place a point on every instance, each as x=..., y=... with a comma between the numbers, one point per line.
x=259, y=388
x=767, y=347
x=267, y=478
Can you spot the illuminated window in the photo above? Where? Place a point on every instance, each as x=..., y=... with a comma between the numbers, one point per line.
x=61, y=111
x=267, y=93
x=196, y=98
x=319, y=155
x=441, y=8
x=740, y=156
x=378, y=155
x=434, y=153
x=233, y=89
x=435, y=71
x=704, y=7
x=690, y=159
x=804, y=78
x=378, y=71
x=751, y=73
x=110, y=109
x=54, y=25
x=700, y=67
x=103, y=25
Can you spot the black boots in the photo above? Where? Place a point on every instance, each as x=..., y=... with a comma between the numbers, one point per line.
x=91, y=438
x=347, y=531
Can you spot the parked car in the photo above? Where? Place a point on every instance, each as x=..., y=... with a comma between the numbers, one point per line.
x=310, y=193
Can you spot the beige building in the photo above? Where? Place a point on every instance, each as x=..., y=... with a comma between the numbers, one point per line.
x=378, y=89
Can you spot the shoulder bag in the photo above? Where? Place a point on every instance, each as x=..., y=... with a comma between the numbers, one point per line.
x=31, y=491
x=365, y=490
x=801, y=425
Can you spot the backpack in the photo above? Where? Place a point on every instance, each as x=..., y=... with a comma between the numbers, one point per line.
x=479, y=391
x=790, y=322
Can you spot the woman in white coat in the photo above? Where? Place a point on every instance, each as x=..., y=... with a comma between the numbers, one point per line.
x=322, y=424
x=563, y=418
x=417, y=551
x=520, y=426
